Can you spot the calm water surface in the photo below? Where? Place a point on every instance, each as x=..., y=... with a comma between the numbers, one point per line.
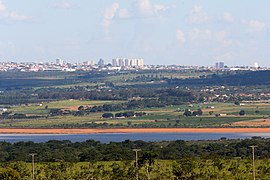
x=118, y=137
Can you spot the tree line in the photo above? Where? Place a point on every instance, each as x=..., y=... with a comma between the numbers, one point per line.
x=90, y=150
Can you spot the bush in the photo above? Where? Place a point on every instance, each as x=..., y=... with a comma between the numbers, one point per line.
x=242, y=113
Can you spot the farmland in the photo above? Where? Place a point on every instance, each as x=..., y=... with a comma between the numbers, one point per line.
x=170, y=116
x=133, y=99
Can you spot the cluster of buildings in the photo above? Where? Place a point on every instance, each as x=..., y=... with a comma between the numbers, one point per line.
x=125, y=62
x=116, y=64
x=219, y=65
x=61, y=65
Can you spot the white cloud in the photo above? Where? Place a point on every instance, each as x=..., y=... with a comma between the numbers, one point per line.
x=108, y=16
x=146, y=8
x=11, y=15
x=255, y=25
x=63, y=5
x=2, y=6
x=198, y=15
x=17, y=17
x=222, y=37
x=228, y=17
x=202, y=37
x=200, y=34
x=124, y=13
x=180, y=36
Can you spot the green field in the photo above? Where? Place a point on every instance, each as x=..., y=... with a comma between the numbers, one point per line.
x=63, y=104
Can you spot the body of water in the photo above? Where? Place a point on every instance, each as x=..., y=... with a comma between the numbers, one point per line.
x=118, y=137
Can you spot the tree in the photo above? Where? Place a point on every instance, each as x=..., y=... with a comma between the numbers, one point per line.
x=184, y=169
x=107, y=115
x=6, y=114
x=237, y=103
x=257, y=112
x=200, y=112
x=8, y=173
x=242, y=112
x=187, y=112
x=80, y=108
x=147, y=160
x=128, y=114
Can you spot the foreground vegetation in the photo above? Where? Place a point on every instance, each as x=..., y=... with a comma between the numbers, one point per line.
x=223, y=159
x=186, y=168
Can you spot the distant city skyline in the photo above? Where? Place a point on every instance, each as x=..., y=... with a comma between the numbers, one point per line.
x=194, y=32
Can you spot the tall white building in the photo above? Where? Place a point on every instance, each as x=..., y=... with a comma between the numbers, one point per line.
x=127, y=62
x=140, y=62
x=59, y=61
x=120, y=62
x=133, y=62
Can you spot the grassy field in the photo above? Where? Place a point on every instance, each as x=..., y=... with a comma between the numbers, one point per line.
x=64, y=104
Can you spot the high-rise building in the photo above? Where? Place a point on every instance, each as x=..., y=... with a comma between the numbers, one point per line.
x=127, y=62
x=133, y=62
x=219, y=65
x=114, y=62
x=101, y=62
x=124, y=62
x=59, y=61
x=120, y=62
x=139, y=62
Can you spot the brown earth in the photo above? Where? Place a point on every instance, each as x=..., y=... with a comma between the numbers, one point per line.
x=253, y=123
x=134, y=130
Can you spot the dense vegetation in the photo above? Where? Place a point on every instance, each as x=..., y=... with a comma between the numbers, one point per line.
x=223, y=159
x=186, y=168
x=91, y=150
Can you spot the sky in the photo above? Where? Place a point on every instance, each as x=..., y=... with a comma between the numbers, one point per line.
x=180, y=32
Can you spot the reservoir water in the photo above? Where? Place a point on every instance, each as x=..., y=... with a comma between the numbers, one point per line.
x=118, y=137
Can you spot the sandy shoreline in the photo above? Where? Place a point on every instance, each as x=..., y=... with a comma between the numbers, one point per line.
x=134, y=130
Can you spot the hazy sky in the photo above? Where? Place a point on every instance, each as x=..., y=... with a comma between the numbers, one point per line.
x=182, y=32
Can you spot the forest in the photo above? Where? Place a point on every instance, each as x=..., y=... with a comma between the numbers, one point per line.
x=90, y=150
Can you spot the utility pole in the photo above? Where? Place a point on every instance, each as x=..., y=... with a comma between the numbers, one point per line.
x=253, y=161
x=136, y=162
x=33, y=164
